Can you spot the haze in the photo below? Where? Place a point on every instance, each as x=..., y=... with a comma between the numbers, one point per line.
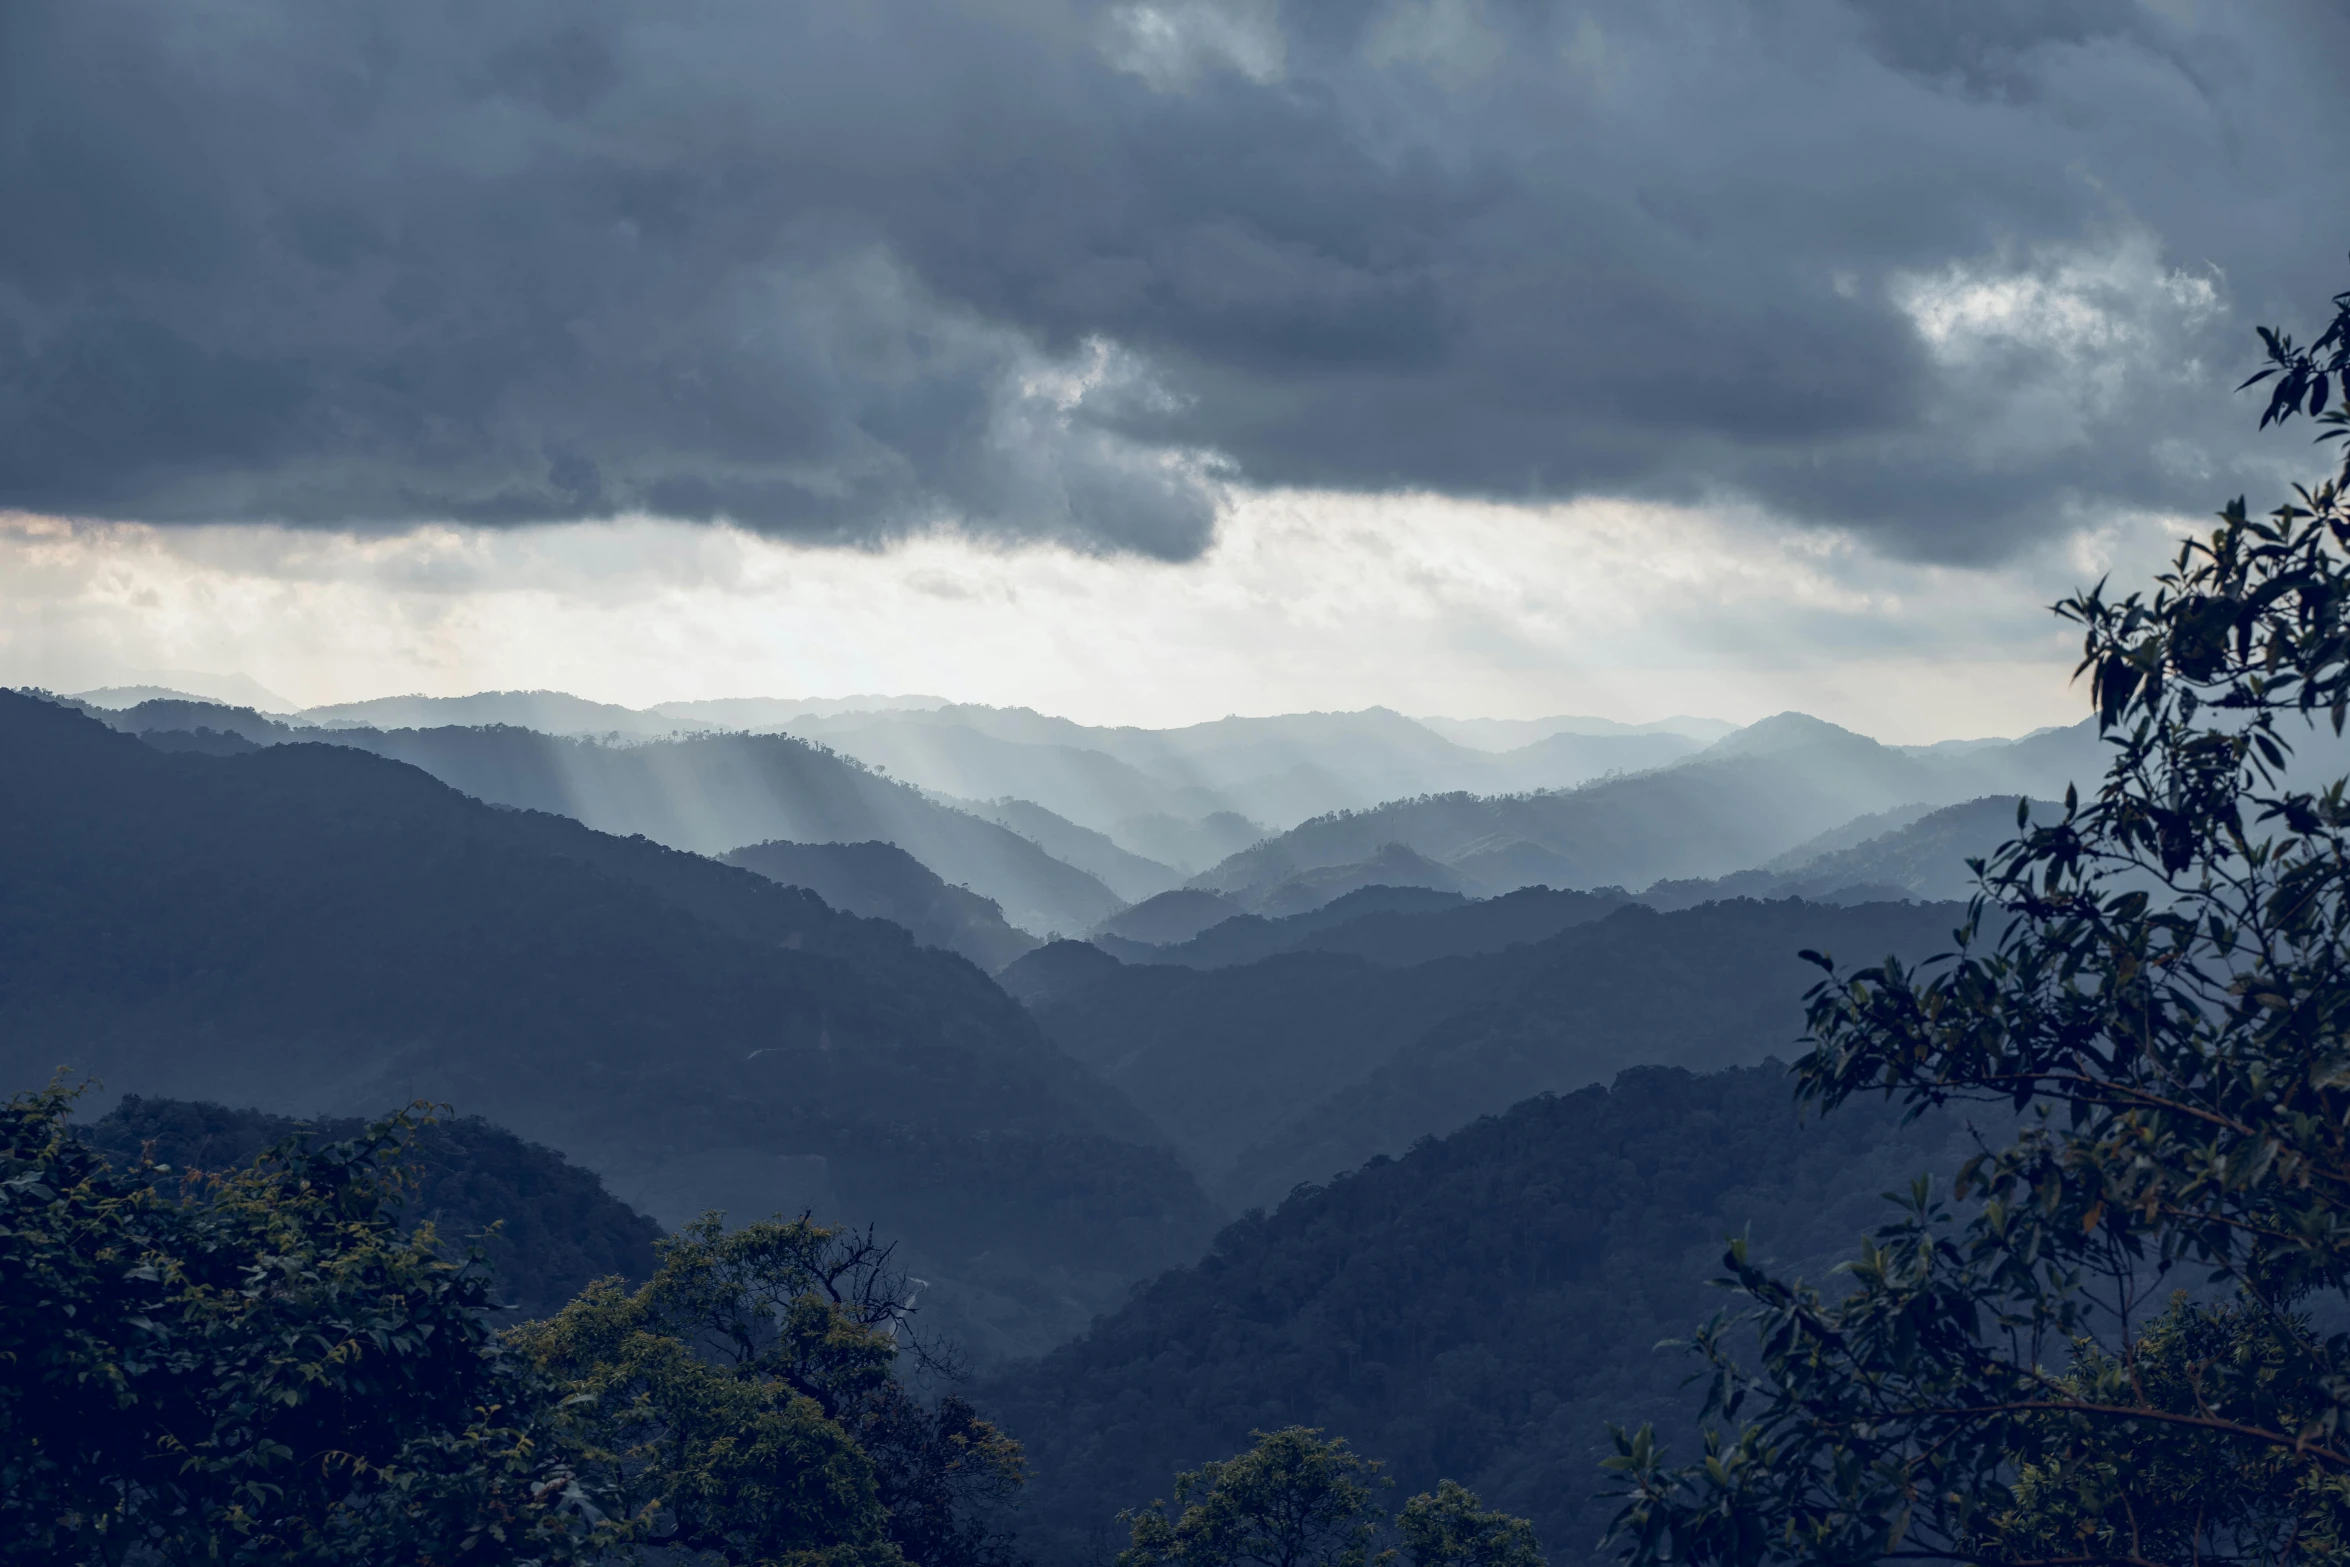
x=1071, y=751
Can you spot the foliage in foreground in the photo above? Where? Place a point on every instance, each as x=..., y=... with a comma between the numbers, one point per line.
x=1298, y=1499
x=271, y=1365
x=2116, y=1338
x=742, y=1402
x=260, y=1367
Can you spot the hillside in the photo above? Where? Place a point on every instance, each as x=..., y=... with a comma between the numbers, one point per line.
x=1247, y=938
x=1709, y=987
x=1276, y=769
x=709, y=794
x=1477, y=1309
x=881, y=881
x=1190, y=846
x=1367, y=1034
x=1394, y=925
x=1083, y=784
x=312, y=929
x=1511, y=734
x=1391, y=865
x=1131, y=876
x=548, y=1227
x=549, y=712
x=1738, y=804
x=1222, y=1058
x=1170, y=917
x=1923, y=859
x=1280, y=769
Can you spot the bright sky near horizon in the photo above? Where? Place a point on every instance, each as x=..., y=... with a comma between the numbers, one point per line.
x=1305, y=602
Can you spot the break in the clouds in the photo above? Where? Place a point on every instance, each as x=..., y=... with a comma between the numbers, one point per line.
x=1948, y=276
x=1304, y=601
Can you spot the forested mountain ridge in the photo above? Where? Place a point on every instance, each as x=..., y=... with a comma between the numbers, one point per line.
x=310, y=928
x=1477, y=1309
x=1924, y=859
x=1222, y=1058
x=1087, y=786
x=548, y=712
x=882, y=881
x=1394, y=925
x=706, y=793
x=1277, y=769
x=1130, y=875
x=1173, y=916
x=1244, y=937
x=1369, y=1033
x=547, y=1226
x=1513, y=734
x=1735, y=805
x=1715, y=986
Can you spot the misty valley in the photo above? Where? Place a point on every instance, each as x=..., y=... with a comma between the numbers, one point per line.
x=803, y=1040
x=1395, y=1080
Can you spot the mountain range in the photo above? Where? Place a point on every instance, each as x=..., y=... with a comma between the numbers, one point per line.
x=1270, y=1071
x=1360, y=1034
x=545, y=1225
x=705, y=793
x=1306, y=1127
x=1743, y=801
x=312, y=929
x=1477, y=1308
x=1063, y=824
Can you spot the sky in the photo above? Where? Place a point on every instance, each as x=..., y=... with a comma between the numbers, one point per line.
x=1143, y=362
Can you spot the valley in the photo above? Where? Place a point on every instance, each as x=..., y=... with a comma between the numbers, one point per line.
x=910, y=968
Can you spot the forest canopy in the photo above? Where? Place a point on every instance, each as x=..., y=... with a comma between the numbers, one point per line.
x=270, y=1362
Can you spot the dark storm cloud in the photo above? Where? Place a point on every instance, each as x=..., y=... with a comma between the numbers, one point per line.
x=1944, y=272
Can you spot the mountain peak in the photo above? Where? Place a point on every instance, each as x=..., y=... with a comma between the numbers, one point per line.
x=1786, y=731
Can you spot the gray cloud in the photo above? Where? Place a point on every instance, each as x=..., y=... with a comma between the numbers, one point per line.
x=1947, y=273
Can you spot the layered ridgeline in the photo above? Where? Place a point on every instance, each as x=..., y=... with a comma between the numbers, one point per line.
x=1475, y=1310
x=1062, y=825
x=1909, y=852
x=707, y=793
x=311, y=929
x=1190, y=796
x=1370, y=1032
x=547, y=1227
x=882, y=881
x=550, y=712
x=1741, y=803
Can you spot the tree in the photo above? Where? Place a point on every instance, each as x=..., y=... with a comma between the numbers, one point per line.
x=270, y=1365
x=1450, y=1527
x=2114, y=1337
x=1298, y=1499
x=744, y=1403
x=258, y=1367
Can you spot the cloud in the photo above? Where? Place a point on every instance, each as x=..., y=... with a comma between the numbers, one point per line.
x=1949, y=277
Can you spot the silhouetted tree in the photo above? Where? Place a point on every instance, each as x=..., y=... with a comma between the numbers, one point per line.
x=2015, y=1374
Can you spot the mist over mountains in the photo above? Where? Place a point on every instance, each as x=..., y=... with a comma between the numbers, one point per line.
x=910, y=965
x=557, y=1128
x=1062, y=824
x=313, y=929
x=1476, y=1309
